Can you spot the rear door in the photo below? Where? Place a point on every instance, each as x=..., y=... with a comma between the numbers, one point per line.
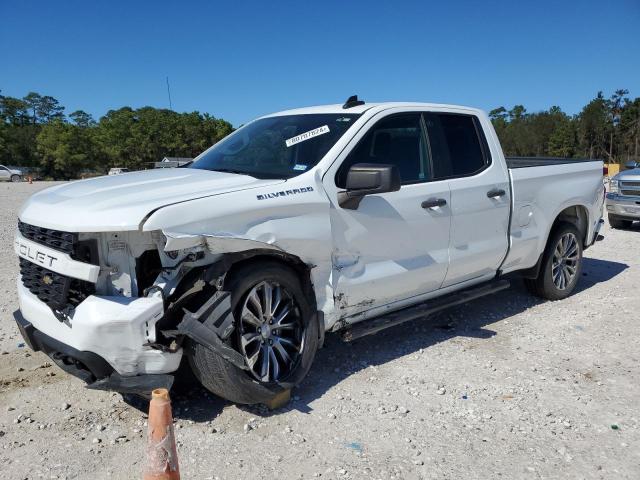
x=4, y=173
x=480, y=195
x=393, y=246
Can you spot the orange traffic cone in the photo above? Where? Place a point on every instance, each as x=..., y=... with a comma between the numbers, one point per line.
x=162, y=458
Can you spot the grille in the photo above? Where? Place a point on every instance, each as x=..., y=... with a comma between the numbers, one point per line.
x=630, y=188
x=56, y=290
x=61, y=241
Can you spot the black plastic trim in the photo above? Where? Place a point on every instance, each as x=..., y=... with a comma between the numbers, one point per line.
x=421, y=310
x=85, y=365
x=624, y=217
x=88, y=366
x=527, y=162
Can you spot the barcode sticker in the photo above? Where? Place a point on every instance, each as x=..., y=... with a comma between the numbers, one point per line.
x=307, y=135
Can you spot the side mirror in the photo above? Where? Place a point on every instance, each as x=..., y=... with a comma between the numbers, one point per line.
x=367, y=179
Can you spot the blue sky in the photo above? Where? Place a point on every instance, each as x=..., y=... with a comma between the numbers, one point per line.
x=238, y=60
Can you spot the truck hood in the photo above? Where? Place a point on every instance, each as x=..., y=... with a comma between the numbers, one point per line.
x=122, y=202
x=628, y=175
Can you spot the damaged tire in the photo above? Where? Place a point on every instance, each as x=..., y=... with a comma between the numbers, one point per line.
x=276, y=331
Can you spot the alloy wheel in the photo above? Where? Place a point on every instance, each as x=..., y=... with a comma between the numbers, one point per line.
x=564, y=265
x=270, y=332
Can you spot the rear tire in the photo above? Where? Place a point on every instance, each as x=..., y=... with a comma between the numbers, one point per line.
x=243, y=386
x=617, y=222
x=16, y=178
x=561, y=264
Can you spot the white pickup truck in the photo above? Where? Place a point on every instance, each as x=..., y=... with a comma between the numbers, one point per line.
x=348, y=218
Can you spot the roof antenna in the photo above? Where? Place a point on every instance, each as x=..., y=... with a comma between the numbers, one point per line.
x=352, y=101
x=169, y=94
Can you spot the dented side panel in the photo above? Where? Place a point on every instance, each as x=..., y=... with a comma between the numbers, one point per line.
x=390, y=249
x=293, y=218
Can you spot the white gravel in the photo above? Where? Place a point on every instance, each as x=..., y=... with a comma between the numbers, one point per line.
x=505, y=387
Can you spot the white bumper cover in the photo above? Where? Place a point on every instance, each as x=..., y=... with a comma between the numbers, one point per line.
x=116, y=328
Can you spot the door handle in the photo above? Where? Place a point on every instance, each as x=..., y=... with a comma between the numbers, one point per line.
x=496, y=192
x=434, y=202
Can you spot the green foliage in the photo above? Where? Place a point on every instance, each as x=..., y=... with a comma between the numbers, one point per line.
x=605, y=128
x=34, y=132
x=137, y=138
x=64, y=149
x=82, y=119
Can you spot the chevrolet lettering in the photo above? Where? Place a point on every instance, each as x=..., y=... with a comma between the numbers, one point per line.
x=36, y=256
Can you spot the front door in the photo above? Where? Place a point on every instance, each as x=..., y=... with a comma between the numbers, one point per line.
x=393, y=246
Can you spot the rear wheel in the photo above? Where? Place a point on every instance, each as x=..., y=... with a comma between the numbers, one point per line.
x=276, y=332
x=16, y=178
x=617, y=222
x=561, y=264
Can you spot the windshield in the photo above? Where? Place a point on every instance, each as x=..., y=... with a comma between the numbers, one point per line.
x=276, y=147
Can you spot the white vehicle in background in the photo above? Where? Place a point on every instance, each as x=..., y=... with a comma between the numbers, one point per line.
x=623, y=198
x=118, y=171
x=345, y=218
x=10, y=175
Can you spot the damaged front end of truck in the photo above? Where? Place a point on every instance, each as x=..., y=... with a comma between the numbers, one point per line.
x=226, y=263
x=149, y=296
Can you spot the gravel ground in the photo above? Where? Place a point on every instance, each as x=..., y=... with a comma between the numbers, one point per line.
x=504, y=387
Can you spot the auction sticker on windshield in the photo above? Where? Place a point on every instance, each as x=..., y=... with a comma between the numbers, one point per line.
x=307, y=135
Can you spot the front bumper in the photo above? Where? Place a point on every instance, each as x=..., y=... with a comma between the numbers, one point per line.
x=116, y=329
x=87, y=366
x=623, y=206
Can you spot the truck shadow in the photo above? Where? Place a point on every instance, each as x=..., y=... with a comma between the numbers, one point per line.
x=596, y=271
x=338, y=360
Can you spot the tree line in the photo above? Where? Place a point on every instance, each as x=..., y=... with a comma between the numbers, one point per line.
x=36, y=133
x=606, y=128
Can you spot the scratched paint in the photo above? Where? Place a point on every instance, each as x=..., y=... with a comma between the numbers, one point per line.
x=161, y=455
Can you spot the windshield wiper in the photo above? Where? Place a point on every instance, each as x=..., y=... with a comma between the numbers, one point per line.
x=231, y=170
x=258, y=175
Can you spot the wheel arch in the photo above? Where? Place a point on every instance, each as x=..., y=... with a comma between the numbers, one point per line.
x=199, y=283
x=577, y=215
x=235, y=261
x=222, y=371
x=217, y=273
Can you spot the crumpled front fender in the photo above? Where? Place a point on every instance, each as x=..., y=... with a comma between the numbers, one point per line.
x=297, y=225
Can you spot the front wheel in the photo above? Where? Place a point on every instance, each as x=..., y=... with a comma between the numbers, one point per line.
x=561, y=264
x=276, y=332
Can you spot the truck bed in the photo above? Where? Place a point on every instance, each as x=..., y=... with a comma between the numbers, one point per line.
x=524, y=162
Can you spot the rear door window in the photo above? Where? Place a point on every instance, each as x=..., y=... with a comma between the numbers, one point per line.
x=457, y=144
